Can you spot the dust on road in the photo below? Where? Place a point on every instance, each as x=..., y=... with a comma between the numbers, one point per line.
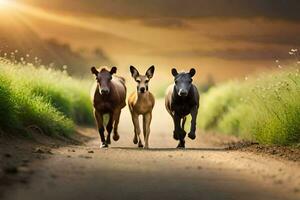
x=203, y=171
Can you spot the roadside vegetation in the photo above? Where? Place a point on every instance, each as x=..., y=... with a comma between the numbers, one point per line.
x=44, y=99
x=265, y=108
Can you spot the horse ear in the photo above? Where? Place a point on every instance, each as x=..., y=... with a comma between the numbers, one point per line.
x=150, y=72
x=113, y=70
x=134, y=72
x=192, y=72
x=174, y=72
x=94, y=71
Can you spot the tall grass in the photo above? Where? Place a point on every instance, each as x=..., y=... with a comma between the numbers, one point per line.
x=42, y=98
x=264, y=108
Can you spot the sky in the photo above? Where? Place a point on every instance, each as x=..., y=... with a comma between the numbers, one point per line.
x=221, y=38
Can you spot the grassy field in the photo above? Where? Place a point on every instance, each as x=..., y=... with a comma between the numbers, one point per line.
x=265, y=108
x=43, y=99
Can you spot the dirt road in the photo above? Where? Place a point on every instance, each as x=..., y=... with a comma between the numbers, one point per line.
x=202, y=171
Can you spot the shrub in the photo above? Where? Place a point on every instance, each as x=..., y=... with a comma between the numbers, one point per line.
x=43, y=98
x=265, y=108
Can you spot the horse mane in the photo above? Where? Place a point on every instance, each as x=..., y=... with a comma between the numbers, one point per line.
x=121, y=79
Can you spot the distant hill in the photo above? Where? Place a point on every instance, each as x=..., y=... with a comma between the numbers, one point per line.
x=18, y=41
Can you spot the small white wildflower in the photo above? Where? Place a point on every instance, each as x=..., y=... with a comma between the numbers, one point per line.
x=294, y=50
x=27, y=55
x=246, y=78
x=65, y=67
x=279, y=66
x=16, y=51
x=277, y=61
x=291, y=53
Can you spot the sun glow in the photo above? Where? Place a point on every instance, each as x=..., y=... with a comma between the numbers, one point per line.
x=5, y=4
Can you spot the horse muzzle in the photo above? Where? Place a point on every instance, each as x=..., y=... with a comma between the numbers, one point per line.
x=182, y=93
x=104, y=91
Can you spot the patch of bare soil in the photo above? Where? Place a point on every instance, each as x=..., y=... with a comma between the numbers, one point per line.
x=282, y=152
x=290, y=153
x=18, y=154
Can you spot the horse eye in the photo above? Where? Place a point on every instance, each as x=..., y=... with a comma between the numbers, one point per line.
x=138, y=81
x=146, y=81
x=175, y=82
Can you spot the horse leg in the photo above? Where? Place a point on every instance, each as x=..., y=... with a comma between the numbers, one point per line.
x=135, y=139
x=99, y=121
x=194, y=113
x=116, y=117
x=183, y=123
x=109, y=127
x=146, y=128
x=176, y=120
x=137, y=130
x=182, y=135
x=179, y=133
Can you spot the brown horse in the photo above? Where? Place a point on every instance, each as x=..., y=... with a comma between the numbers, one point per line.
x=109, y=96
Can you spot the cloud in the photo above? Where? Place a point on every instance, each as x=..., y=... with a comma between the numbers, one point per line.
x=166, y=23
x=290, y=39
x=231, y=54
x=271, y=9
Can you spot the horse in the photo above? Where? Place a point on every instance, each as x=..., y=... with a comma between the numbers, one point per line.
x=141, y=102
x=108, y=97
x=182, y=99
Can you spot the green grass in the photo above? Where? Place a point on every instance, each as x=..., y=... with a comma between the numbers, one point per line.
x=42, y=98
x=264, y=108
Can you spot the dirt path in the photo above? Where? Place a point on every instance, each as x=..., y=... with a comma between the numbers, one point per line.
x=203, y=171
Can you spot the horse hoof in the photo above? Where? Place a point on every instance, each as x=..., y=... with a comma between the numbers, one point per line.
x=116, y=137
x=135, y=140
x=181, y=145
x=104, y=145
x=140, y=145
x=192, y=135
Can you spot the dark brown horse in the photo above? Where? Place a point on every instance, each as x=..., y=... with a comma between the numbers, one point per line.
x=182, y=99
x=109, y=95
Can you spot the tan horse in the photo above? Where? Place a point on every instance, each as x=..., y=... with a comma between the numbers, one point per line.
x=141, y=102
x=109, y=97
